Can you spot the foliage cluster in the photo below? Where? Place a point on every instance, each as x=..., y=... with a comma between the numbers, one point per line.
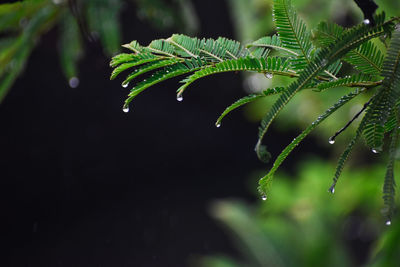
x=312, y=59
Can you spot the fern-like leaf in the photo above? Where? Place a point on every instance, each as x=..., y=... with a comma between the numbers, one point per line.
x=166, y=73
x=383, y=103
x=357, y=80
x=389, y=182
x=292, y=32
x=272, y=65
x=123, y=63
x=326, y=56
x=264, y=183
x=248, y=99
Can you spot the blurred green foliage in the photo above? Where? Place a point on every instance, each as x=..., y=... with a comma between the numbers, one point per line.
x=22, y=24
x=301, y=224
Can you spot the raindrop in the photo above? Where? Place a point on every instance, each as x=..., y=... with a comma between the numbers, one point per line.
x=366, y=21
x=125, y=108
x=179, y=98
x=73, y=82
x=375, y=151
x=264, y=197
x=269, y=75
x=218, y=124
x=388, y=222
x=332, y=189
x=125, y=85
x=331, y=140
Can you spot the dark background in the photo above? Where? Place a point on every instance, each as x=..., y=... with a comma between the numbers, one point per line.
x=84, y=184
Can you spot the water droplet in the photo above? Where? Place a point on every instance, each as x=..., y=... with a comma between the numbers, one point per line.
x=73, y=82
x=218, y=124
x=264, y=197
x=332, y=189
x=366, y=21
x=331, y=140
x=125, y=85
x=125, y=108
x=269, y=75
x=375, y=151
x=179, y=98
x=388, y=222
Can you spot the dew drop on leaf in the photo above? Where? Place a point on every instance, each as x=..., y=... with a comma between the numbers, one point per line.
x=366, y=21
x=269, y=75
x=125, y=108
x=218, y=124
x=332, y=189
x=179, y=98
x=264, y=197
x=388, y=222
x=125, y=85
x=375, y=151
x=331, y=141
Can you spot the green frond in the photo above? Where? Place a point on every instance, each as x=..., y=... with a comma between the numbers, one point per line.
x=149, y=67
x=233, y=49
x=161, y=47
x=134, y=46
x=327, y=33
x=292, y=32
x=130, y=62
x=264, y=182
x=346, y=153
x=271, y=42
x=387, y=98
x=189, y=65
x=326, y=56
x=367, y=58
x=247, y=99
x=272, y=65
x=332, y=70
x=357, y=80
x=389, y=184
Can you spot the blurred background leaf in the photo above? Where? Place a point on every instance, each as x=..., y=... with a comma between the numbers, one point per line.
x=79, y=23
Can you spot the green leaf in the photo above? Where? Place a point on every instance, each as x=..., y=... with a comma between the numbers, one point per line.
x=389, y=184
x=264, y=183
x=164, y=74
x=248, y=99
x=383, y=104
x=272, y=65
x=357, y=80
x=350, y=40
x=292, y=32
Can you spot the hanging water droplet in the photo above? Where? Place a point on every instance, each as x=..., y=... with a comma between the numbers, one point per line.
x=218, y=124
x=264, y=197
x=125, y=85
x=179, y=98
x=73, y=82
x=366, y=21
x=388, y=222
x=125, y=108
x=331, y=140
x=375, y=151
x=332, y=189
x=269, y=75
